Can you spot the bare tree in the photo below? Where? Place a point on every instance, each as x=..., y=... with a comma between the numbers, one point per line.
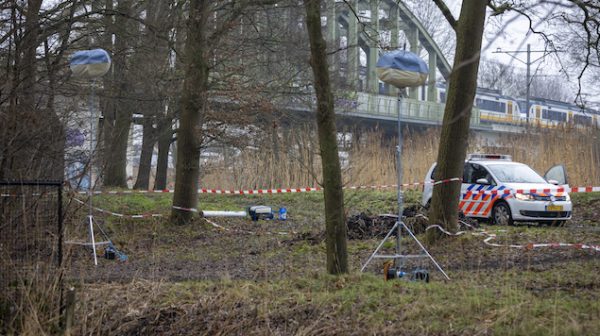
x=33, y=43
x=207, y=27
x=512, y=81
x=337, y=255
x=118, y=111
x=457, y=114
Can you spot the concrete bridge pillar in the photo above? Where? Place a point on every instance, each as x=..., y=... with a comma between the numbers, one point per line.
x=352, y=47
x=372, y=80
x=394, y=42
x=413, y=40
x=431, y=89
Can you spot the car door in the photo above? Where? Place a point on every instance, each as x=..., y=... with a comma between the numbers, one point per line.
x=474, y=202
x=557, y=174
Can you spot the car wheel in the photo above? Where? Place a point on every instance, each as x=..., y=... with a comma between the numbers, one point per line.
x=501, y=214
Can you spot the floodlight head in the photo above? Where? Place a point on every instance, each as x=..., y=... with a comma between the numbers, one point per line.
x=90, y=63
x=402, y=69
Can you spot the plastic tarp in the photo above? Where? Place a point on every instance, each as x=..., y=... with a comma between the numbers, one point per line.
x=90, y=63
x=401, y=69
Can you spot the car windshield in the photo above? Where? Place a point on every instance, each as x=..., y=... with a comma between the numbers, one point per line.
x=515, y=173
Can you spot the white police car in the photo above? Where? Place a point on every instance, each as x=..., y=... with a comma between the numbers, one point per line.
x=496, y=187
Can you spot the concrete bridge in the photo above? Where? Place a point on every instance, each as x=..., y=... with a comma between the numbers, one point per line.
x=353, y=21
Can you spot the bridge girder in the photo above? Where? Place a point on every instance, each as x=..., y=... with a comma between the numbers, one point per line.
x=408, y=22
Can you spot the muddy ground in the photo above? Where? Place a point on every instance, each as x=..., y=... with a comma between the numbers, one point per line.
x=268, y=278
x=238, y=248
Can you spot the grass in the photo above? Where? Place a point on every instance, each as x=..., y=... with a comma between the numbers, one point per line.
x=195, y=279
x=364, y=303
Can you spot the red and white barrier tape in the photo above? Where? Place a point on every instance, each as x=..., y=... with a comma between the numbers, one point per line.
x=184, y=209
x=266, y=191
x=220, y=227
x=312, y=189
x=528, y=246
x=116, y=214
x=489, y=236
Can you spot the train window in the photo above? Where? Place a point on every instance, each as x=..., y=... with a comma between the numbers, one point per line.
x=554, y=115
x=490, y=105
x=582, y=119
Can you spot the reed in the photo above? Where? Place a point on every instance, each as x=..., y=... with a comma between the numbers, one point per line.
x=291, y=159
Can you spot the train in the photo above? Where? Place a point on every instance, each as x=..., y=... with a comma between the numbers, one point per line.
x=495, y=107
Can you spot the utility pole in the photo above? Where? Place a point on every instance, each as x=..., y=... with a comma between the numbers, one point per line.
x=528, y=63
x=528, y=81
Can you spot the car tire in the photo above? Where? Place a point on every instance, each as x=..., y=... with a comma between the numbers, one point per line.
x=501, y=214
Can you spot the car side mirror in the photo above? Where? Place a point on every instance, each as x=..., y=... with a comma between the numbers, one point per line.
x=482, y=181
x=555, y=182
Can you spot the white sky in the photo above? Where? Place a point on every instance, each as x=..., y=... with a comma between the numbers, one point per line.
x=510, y=32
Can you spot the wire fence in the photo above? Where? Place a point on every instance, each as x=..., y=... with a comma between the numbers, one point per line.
x=31, y=243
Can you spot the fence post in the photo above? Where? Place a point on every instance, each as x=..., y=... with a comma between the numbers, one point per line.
x=69, y=312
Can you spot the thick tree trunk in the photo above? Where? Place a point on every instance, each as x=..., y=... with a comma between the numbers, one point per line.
x=148, y=141
x=455, y=127
x=337, y=255
x=115, y=173
x=165, y=134
x=149, y=65
x=193, y=101
x=118, y=120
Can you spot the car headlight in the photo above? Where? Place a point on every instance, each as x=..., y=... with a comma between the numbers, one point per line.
x=524, y=197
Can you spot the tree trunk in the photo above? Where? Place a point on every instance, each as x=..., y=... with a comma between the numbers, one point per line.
x=193, y=102
x=150, y=66
x=455, y=126
x=165, y=134
x=337, y=255
x=148, y=140
x=119, y=117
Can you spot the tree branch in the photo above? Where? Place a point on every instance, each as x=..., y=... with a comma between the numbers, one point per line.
x=447, y=13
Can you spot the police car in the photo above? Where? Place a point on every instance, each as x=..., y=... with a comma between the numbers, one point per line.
x=505, y=191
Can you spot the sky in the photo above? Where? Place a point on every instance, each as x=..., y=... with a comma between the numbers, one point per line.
x=510, y=32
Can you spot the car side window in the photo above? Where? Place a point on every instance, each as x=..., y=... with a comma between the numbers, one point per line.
x=467, y=173
x=474, y=172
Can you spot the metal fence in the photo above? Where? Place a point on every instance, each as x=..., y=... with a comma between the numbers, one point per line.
x=31, y=237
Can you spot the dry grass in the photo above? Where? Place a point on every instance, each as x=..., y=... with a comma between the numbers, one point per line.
x=293, y=161
x=578, y=150
x=31, y=305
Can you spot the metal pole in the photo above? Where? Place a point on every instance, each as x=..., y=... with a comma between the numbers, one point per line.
x=91, y=158
x=91, y=166
x=91, y=229
x=399, y=170
x=379, y=247
x=528, y=80
x=427, y=252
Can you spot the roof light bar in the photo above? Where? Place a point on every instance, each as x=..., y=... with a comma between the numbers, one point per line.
x=475, y=157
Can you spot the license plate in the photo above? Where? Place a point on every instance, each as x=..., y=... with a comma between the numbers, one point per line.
x=554, y=208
